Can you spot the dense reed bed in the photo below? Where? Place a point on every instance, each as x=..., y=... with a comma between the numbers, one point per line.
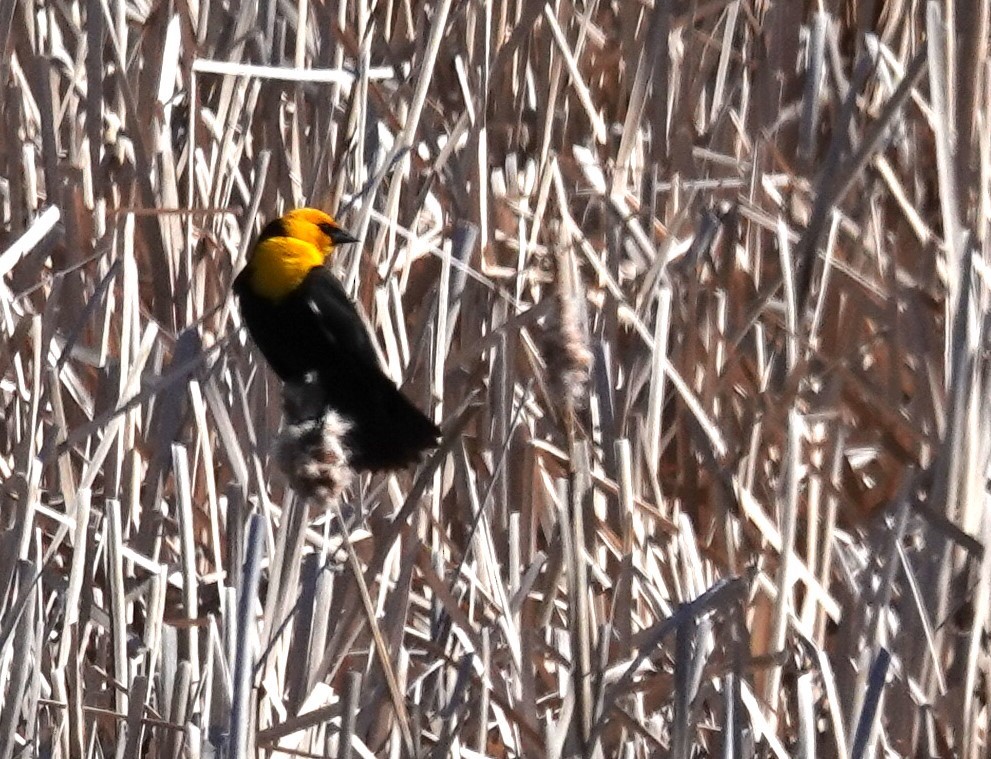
x=698, y=292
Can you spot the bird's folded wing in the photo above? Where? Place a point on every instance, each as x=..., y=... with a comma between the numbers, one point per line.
x=337, y=318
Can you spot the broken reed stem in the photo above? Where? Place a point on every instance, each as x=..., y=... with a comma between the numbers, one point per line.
x=381, y=650
x=244, y=664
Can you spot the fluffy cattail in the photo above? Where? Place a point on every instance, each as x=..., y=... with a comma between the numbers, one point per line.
x=310, y=448
x=565, y=340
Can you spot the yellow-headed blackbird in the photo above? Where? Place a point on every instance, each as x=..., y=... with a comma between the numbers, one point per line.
x=302, y=320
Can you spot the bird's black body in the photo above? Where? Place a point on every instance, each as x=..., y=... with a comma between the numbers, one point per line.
x=316, y=328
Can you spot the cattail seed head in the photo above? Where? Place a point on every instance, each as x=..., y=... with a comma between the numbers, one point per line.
x=310, y=448
x=565, y=340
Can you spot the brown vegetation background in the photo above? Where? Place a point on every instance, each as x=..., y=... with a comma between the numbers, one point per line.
x=698, y=291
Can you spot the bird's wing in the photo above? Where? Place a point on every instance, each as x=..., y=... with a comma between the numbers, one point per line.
x=336, y=316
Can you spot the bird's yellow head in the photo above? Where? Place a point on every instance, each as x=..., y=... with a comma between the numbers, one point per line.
x=289, y=247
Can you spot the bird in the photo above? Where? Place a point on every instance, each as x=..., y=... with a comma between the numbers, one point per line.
x=305, y=325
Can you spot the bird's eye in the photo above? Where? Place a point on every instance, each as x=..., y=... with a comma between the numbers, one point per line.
x=327, y=228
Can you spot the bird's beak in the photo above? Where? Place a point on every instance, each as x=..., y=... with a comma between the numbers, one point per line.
x=340, y=237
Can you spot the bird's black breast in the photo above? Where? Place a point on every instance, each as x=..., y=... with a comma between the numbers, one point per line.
x=314, y=328
x=282, y=333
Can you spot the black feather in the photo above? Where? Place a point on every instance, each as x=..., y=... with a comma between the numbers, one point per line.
x=317, y=328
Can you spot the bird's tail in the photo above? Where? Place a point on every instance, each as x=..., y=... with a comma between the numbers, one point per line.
x=390, y=432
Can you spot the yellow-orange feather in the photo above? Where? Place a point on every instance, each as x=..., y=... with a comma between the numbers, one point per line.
x=278, y=265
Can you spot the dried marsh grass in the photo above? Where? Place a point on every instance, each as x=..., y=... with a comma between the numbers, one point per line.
x=697, y=291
